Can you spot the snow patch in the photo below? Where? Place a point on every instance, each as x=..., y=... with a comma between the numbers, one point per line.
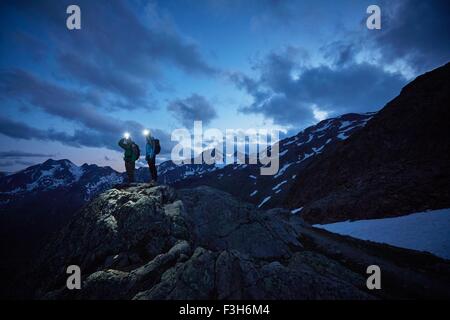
x=282, y=170
x=77, y=172
x=317, y=150
x=342, y=136
x=345, y=124
x=291, y=142
x=306, y=156
x=279, y=185
x=324, y=126
x=105, y=182
x=422, y=231
x=283, y=153
x=264, y=201
x=310, y=137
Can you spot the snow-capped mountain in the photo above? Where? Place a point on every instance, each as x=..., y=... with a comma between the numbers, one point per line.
x=294, y=154
x=170, y=173
x=86, y=181
x=58, y=175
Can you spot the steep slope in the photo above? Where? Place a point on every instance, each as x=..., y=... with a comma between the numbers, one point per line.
x=154, y=243
x=399, y=163
x=295, y=153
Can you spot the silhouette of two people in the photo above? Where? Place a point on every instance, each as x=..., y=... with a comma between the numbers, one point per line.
x=132, y=154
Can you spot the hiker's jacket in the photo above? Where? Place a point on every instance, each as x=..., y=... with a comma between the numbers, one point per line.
x=150, y=148
x=128, y=147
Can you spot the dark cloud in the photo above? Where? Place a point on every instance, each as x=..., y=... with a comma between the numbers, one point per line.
x=22, y=154
x=82, y=138
x=118, y=50
x=10, y=163
x=288, y=93
x=193, y=108
x=415, y=31
x=20, y=130
x=97, y=128
x=112, y=62
x=412, y=34
x=7, y=163
x=134, y=93
x=75, y=106
x=357, y=87
x=25, y=163
x=341, y=53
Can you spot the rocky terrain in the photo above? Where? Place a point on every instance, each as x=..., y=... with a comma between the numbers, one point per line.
x=146, y=239
x=37, y=201
x=153, y=242
x=398, y=164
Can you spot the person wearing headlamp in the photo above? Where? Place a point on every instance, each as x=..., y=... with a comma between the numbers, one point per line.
x=131, y=154
x=152, y=148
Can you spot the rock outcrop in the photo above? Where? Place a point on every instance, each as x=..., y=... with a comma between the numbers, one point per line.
x=152, y=242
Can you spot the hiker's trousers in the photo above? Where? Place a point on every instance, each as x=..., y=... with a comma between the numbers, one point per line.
x=129, y=167
x=152, y=167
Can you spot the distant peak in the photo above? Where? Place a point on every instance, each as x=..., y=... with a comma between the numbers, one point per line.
x=61, y=161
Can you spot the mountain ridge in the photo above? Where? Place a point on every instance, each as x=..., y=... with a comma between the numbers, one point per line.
x=294, y=153
x=398, y=164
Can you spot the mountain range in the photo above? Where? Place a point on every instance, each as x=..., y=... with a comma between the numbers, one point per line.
x=355, y=166
x=39, y=200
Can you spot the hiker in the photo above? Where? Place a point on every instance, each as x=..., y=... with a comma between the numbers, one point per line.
x=132, y=153
x=152, y=148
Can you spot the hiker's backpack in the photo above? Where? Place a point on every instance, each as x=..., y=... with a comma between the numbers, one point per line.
x=136, y=150
x=157, y=146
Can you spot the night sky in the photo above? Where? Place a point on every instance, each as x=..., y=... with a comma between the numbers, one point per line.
x=230, y=63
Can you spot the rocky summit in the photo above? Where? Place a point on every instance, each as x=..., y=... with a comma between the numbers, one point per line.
x=152, y=242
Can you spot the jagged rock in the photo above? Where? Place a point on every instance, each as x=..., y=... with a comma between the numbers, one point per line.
x=150, y=242
x=114, y=284
x=115, y=229
x=193, y=279
x=220, y=222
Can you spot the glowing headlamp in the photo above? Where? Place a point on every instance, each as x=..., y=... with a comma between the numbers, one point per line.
x=126, y=135
x=146, y=132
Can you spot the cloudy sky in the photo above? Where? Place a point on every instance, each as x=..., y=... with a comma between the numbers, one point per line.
x=230, y=63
